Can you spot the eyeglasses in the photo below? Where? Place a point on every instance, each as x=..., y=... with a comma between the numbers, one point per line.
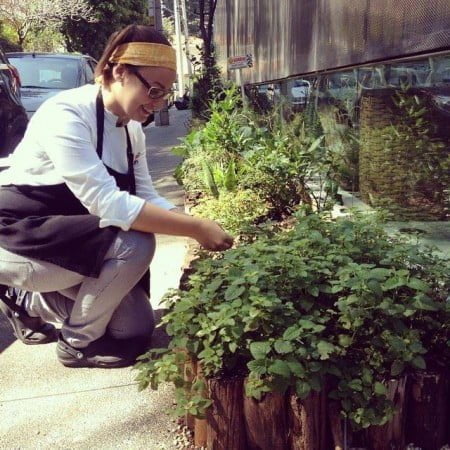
x=154, y=92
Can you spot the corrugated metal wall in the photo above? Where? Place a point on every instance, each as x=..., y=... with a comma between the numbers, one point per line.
x=291, y=37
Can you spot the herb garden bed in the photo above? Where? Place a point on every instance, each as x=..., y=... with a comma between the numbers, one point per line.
x=313, y=332
x=332, y=334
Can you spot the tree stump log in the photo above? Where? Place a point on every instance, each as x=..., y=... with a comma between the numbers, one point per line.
x=336, y=425
x=199, y=424
x=307, y=422
x=428, y=410
x=266, y=422
x=225, y=418
x=392, y=434
x=189, y=375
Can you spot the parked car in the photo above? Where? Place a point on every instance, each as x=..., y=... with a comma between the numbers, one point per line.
x=13, y=118
x=45, y=74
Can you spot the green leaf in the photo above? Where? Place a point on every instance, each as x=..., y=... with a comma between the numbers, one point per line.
x=258, y=366
x=182, y=305
x=315, y=383
x=259, y=350
x=280, y=367
x=380, y=388
x=379, y=273
x=393, y=283
x=234, y=291
x=283, y=347
x=291, y=333
x=375, y=287
x=302, y=389
x=418, y=285
x=344, y=340
x=419, y=363
x=313, y=290
x=296, y=368
x=421, y=301
x=233, y=347
x=325, y=349
x=397, y=368
x=355, y=384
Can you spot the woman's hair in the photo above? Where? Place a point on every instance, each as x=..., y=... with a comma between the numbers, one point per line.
x=131, y=33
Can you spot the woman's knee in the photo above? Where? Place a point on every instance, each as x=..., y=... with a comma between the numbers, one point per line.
x=133, y=317
x=133, y=246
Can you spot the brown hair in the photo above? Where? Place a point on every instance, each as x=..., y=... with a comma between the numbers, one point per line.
x=131, y=33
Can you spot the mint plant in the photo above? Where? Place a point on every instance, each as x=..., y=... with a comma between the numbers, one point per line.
x=339, y=303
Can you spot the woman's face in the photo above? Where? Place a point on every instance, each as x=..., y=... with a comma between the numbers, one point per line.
x=134, y=92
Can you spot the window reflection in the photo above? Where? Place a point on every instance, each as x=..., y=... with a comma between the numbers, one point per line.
x=388, y=129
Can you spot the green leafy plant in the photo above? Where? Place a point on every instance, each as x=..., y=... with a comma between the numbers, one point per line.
x=404, y=159
x=336, y=303
x=237, y=211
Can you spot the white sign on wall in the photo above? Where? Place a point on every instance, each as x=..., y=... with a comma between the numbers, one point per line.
x=240, y=62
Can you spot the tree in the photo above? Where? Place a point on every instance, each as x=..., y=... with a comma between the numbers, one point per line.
x=86, y=37
x=207, y=10
x=26, y=15
x=209, y=84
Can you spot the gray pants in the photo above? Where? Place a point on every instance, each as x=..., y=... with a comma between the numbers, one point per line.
x=87, y=307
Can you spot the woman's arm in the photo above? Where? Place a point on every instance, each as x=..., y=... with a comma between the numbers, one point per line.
x=153, y=219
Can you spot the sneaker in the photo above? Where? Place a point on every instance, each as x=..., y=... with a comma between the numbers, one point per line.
x=104, y=352
x=29, y=330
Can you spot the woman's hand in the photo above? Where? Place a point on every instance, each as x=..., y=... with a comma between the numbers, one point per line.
x=153, y=219
x=212, y=237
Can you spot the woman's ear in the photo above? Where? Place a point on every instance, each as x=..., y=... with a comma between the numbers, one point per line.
x=118, y=72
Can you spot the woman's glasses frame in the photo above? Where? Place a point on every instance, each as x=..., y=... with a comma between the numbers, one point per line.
x=153, y=92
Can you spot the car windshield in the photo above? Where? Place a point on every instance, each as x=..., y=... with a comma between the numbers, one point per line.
x=47, y=73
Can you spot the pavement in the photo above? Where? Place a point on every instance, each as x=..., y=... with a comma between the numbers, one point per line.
x=44, y=405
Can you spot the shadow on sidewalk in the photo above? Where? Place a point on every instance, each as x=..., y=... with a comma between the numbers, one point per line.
x=6, y=334
x=160, y=339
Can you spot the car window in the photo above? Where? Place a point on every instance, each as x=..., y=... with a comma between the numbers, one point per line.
x=47, y=73
x=89, y=71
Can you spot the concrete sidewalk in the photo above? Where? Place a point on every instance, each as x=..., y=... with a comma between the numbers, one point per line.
x=46, y=405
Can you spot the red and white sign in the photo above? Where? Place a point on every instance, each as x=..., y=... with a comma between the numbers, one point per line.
x=240, y=62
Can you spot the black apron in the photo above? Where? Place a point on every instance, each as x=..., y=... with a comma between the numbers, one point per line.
x=49, y=223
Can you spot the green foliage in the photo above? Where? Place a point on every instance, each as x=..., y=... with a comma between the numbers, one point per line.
x=207, y=85
x=236, y=212
x=343, y=142
x=411, y=148
x=339, y=302
x=8, y=46
x=90, y=38
x=7, y=39
x=44, y=40
x=283, y=163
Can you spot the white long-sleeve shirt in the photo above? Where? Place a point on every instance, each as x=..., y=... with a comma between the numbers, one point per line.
x=59, y=146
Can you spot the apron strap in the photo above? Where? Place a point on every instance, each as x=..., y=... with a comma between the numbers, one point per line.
x=100, y=112
x=130, y=159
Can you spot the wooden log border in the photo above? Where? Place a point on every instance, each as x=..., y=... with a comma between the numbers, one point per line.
x=285, y=422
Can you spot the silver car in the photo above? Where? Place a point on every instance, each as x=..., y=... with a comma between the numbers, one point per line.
x=45, y=74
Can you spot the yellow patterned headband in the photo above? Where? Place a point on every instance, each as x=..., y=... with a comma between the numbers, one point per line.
x=145, y=54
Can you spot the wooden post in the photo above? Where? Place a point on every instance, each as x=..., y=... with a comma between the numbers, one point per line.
x=337, y=431
x=189, y=375
x=307, y=422
x=225, y=417
x=199, y=424
x=392, y=434
x=266, y=422
x=428, y=410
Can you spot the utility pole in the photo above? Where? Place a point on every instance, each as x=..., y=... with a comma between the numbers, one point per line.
x=186, y=39
x=179, y=49
x=154, y=11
